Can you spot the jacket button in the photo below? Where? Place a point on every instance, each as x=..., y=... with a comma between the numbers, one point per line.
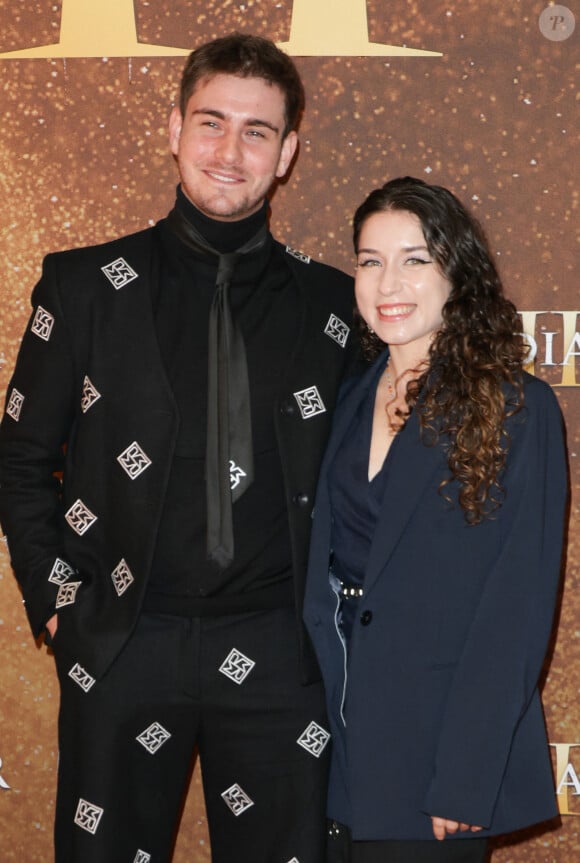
x=366, y=617
x=301, y=499
x=287, y=409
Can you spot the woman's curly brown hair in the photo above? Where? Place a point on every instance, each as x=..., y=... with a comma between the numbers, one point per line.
x=474, y=378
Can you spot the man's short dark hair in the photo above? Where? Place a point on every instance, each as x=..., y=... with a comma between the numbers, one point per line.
x=246, y=56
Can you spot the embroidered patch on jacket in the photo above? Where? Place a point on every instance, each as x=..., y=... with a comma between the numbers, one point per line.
x=42, y=324
x=309, y=402
x=236, y=799
x=119, y=273
x=337, y=330
x=134, y=460
x=81, y=677
x=153, y=737
x=90, y=394
x=67, y=593
x=314, y=738
x=236, y=666
x=61, y=571
x=142, y=857
x=300, y=256
x=122, y=577
x=14, y=406
x=88, y=816
x=79, y=517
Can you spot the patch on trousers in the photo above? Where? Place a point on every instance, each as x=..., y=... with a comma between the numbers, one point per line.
x=88, y=816
x=153, y=738
x=236, y=799
x=314, y=738
x=236, y=666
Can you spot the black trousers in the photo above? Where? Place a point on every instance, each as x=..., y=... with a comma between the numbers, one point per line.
x=229, y=686
x=343, y=849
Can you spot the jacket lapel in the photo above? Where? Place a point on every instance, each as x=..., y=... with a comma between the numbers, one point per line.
x=354, y=392
x=413, y=467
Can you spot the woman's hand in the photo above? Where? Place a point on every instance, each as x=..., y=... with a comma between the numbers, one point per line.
x=443, y=826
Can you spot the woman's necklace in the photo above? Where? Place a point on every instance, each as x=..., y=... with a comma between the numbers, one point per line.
x=390, y=396
x=389, y=384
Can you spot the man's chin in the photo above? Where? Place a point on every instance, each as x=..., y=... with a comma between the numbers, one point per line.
x=223, y=207
x=228, y=211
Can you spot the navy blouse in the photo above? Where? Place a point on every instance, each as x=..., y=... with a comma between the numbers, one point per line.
x=356, y=503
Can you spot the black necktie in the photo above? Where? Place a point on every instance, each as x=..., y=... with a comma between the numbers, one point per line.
x=229, y=463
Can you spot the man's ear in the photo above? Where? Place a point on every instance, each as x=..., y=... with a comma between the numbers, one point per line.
x=175, y=124
x=289, y=145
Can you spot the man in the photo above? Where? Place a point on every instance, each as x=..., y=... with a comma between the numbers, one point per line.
x=181, y=381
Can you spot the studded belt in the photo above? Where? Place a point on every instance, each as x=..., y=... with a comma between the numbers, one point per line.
x=349, y=591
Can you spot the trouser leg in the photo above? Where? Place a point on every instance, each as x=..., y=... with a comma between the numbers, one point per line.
x=125, y=749
x=263, y=743
x=233, y=685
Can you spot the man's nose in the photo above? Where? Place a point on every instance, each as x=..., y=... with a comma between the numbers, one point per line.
x=229, y=148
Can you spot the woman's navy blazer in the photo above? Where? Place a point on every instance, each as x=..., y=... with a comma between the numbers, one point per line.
x=443, y=715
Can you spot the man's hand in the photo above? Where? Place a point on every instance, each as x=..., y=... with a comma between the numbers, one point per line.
x=443, y=826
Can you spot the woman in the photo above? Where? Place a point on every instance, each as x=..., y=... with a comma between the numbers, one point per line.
x=436, y=548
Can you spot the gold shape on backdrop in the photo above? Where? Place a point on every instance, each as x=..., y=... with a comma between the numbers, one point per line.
x=338, y=28
x=106, y=28
x=97, y=28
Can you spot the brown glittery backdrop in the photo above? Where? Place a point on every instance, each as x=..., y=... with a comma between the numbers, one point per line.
x=84, y=157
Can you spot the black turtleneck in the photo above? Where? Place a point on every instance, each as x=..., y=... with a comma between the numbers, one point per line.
x=263, y=301
x=223, y=236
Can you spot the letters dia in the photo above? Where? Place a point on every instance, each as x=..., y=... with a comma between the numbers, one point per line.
x=557, y=344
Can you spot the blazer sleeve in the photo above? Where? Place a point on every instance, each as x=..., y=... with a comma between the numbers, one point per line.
x=503, y=655
x=35, y=427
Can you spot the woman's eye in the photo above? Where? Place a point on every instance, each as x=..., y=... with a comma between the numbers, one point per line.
x=368, y=262
x=415, y=260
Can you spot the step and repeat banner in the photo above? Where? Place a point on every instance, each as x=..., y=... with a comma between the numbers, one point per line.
x=477, y=95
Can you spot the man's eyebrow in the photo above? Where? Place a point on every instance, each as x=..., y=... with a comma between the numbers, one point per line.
x=265, y=123
x=251, y=121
